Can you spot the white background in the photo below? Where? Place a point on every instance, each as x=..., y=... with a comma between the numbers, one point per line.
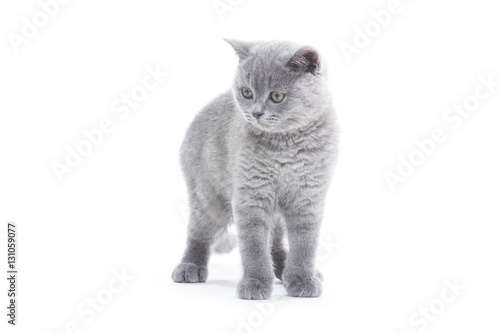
x=385, y=253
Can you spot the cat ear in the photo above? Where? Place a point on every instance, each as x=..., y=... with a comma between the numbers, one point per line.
x=241, y=48
x=304, y=60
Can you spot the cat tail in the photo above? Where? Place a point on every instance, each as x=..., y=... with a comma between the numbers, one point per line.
x=226, y=242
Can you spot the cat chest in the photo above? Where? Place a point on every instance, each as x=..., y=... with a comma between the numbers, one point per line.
x=282, y=169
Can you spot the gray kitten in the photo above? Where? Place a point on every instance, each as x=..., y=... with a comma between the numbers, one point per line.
x=261, y=155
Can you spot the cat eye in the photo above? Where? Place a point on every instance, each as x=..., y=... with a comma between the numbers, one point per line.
x=247, y=92
x=277, y=97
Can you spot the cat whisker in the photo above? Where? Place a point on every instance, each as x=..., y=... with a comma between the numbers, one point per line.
x=247, y=117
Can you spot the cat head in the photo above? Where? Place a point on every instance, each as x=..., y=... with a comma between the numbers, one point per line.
x=279, y=86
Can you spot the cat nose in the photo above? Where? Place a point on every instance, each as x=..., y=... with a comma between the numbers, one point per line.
x=257, y=115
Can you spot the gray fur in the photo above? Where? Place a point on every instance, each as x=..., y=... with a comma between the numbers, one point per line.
x=268, y=175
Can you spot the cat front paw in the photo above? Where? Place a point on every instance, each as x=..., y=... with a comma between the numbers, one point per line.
x=189, y=273
x=250, y=288
x=303, y=286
